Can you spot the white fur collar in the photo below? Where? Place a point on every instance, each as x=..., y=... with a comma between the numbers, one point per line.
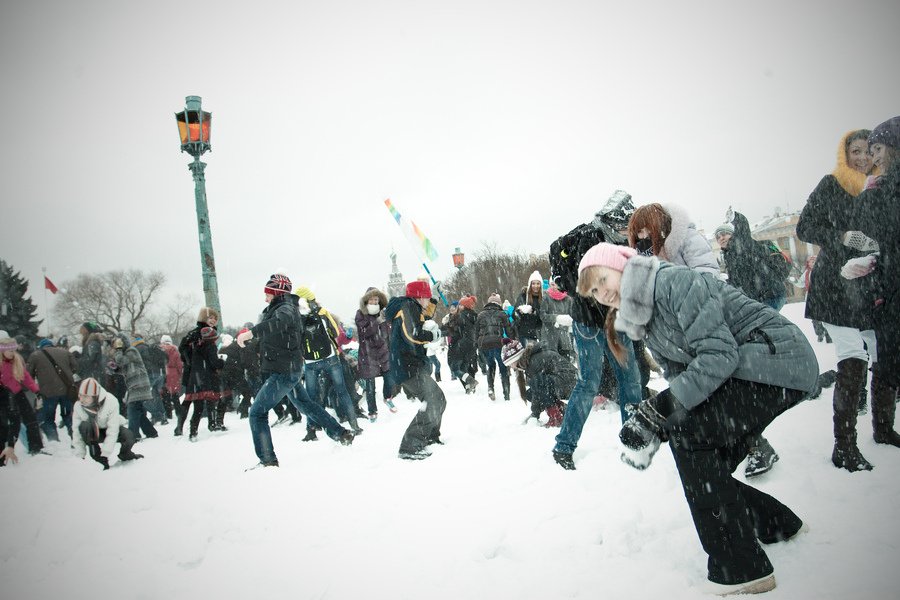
x=636, y=296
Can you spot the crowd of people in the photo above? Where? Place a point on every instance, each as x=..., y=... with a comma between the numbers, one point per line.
x=631, y=292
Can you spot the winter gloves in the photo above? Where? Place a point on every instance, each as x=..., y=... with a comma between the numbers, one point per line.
x=859, y=241
x=644, y=431
x=858, y=267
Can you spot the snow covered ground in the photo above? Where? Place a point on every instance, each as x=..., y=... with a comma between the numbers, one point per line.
x=488, y=516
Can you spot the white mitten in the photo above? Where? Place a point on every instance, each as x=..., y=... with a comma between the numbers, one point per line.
x=525, y=309
x=303, y=305
x=859, y=241
x=858, y=267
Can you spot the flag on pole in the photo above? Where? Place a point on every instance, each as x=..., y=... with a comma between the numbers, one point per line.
x=49, y=285
x=415, y=236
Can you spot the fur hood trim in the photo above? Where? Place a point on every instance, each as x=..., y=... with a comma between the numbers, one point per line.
x=849, y=178
x=681, y=229
x=373, y=293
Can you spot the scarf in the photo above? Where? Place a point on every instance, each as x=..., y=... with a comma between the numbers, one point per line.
x=92, y=411
x=557, y=294
x=636, y=296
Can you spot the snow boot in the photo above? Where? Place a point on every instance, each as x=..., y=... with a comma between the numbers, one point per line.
x=211, y=418
x=504, y=381
x=471, y=383
x=221, y=409
x=884, y=408
x=310, y=436
x=851, y=377
x=760, y=458
x=555, y=412
x=181, y=413
x=564, y=459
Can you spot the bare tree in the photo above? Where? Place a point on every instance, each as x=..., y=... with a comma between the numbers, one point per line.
x=494, y=271
x=176, y=319
x=115, y=300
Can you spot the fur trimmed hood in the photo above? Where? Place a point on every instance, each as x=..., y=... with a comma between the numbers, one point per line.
x=682, y=227
x=849, y=178
x=373, y=293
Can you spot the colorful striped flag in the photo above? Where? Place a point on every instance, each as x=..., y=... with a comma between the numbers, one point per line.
x=415, y=236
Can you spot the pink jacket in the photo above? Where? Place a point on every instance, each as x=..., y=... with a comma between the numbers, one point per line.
x=10, y=383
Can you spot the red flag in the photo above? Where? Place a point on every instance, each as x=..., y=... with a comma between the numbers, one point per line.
x=49, y=285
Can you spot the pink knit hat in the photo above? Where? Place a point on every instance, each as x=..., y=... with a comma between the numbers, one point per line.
x=606, y=255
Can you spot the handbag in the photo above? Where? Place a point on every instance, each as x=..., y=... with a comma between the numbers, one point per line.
x=71, y=388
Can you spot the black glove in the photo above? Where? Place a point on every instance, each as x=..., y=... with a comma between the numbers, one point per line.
x=104, y=461
x=644, y=431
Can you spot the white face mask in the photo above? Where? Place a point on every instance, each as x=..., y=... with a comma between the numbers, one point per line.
x=373, y=309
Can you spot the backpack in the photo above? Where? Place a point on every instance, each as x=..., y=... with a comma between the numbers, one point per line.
x=317, y=343
x=779, y=260
x=566, y=252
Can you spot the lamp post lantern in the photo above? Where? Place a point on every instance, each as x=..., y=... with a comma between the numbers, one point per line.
x=194, y=127
x=459, y=259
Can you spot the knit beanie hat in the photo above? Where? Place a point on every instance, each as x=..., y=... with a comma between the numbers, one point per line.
x=209, y=334
x=495, y=298
x=419, y=289
x=89, y=387
x=44, y=343
x=723, y=229
x=887, y=133
x=90, y=327
x=536, y=276
x=278, y=284
x=7, y=344
x=165, y=339
x=511, y=352
x=606, y=255
x=226, y=340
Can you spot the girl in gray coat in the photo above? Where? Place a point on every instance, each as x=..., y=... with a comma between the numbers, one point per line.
x=129, y=363
x=733, y=365
x=666, y=231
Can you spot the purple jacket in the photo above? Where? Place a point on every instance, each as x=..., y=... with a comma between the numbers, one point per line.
x=374, y=338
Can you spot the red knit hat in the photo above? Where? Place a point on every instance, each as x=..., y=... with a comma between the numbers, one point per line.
x=606, y=255
x=278, y=284
x=468, y=302
x=418, y=289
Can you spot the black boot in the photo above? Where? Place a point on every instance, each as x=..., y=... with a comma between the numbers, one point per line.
x=884, y=408
x=220, y=414
x=504, y=381
x=851, y=377
x=182, y=412
x=211, y=418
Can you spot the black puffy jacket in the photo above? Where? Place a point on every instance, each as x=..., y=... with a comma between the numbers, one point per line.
x=280, y=331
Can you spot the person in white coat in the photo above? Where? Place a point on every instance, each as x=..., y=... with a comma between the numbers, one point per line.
x=98, y=425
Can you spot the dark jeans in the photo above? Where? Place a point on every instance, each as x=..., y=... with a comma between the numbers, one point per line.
x=276, y=387
x=138, y=421
x=386, y=390
x=425, y=427
x=708, y=443
x=29, y=420
x=333, y=368
x=492, y=358
x=48, y=416
x=436, y=363
x=126, y=438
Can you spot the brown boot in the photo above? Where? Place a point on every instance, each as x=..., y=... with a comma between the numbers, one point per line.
x=883, y=410
x=850, y=378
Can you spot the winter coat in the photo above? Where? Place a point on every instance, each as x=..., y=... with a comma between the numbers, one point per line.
x=875, y=214
x=685, y=246
x=9, y=381
x=51, y=383
x=92, y=362
x=205, y=382
x=753, y=266
x=528, y=325
x=174, y=368
x=408, y=338
x=137, y=383
x=108, y=418
x=556, y=338
x=551, y=376
x=463, y=350
x=280, y=333
x=491, y=327
x=374, y=338
x=232, y=371
x=185, y=348
x=250, y=359
x=703, y=331
x=831, y=298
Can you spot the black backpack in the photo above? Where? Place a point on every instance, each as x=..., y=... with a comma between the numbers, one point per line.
x=317, y=342
x=566, y=252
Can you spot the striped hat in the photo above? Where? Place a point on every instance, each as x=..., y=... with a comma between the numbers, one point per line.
x=278, y=284
x=7, y=344
x=89, y=388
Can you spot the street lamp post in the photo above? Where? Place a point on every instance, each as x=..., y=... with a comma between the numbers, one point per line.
x=194, y=127
x=459, y=259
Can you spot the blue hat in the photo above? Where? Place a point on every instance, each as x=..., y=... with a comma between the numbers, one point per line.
x=44, y=343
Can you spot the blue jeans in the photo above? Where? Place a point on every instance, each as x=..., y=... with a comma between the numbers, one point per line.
x=436, y=364
x=155, y=406
x=592, y=347
x=276, y=387
x=47, y=417
x=138, y=421
x=333, y=368
x=386, y=391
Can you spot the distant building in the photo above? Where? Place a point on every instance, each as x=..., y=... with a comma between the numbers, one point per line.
x=396, y=285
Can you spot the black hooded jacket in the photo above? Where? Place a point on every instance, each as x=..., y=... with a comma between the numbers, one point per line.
x=280, y=332
x=754, y=266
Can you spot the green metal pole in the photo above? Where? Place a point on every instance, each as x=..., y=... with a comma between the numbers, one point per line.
x=207, y=259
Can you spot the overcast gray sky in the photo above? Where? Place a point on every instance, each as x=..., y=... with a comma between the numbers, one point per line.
x=500, y=122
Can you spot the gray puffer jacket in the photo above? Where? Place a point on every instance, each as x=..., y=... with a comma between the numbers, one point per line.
x=703, y=331
x=136, y=381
